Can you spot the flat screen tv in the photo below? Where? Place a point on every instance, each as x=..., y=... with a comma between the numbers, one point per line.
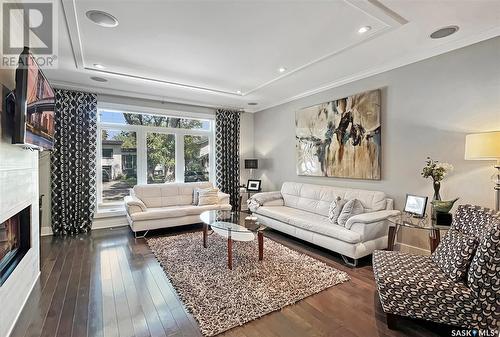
x=34, y=105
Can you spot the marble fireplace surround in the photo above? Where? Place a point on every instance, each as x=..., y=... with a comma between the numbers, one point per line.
x=18, y=190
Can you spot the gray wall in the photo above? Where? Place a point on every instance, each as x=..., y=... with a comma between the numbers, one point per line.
x=427, y=109
x=246, y=144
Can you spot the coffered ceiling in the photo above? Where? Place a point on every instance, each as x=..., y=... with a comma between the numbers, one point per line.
x=228, y=53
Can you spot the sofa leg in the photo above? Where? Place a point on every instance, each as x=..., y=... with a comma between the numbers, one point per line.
x=143, y=236
x=391, y=321
x=352, y=264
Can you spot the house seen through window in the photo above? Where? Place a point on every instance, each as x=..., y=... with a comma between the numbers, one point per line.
x=151, y=149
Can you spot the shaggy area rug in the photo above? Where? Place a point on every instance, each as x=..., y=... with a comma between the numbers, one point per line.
x=221, y=299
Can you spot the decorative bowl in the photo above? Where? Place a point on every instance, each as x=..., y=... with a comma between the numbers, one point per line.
x=443, y=206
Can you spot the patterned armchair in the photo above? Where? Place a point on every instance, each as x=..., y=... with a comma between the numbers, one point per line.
x=423, y=287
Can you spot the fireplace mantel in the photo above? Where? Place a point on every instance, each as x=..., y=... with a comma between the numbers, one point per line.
x=18, y=190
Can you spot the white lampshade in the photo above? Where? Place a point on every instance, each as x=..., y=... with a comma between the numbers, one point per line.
x=482, y=146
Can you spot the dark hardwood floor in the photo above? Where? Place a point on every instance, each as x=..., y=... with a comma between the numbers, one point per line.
x=108, y=284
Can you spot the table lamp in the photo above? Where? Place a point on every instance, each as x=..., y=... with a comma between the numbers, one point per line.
x=251, y=164
x=486, y=146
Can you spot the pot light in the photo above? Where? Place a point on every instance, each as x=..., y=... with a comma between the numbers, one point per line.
x=101, y=18
x=364, y=29
x=99, y=66
x=98, y=79
x=281, y=69
x=252, y=103
x=444, y=32
x=238, y=92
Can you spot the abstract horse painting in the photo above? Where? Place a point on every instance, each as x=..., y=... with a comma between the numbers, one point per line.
x=341, y=138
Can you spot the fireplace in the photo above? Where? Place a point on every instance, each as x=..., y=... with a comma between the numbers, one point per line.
x=14, y=241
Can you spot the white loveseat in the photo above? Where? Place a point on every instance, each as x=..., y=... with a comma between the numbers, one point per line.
x=155, y=206
x=301, y=210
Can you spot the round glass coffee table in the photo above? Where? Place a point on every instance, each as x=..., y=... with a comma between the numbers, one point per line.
x=227, y=225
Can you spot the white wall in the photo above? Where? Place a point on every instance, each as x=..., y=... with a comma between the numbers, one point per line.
x=45, y=188
x=427, y=109
x=18, y=189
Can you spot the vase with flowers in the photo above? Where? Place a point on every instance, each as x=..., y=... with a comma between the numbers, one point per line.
x=437, y=171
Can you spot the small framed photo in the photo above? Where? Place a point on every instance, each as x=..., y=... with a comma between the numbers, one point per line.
x=253, y=185
x=415, y=205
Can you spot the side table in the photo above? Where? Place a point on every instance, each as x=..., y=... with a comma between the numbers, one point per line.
x=416, y=223
x=243, y=190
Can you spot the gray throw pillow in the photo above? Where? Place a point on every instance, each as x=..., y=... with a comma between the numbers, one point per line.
x=351, y=208
x=335, y=209
x=454, y=254
x=196, y=194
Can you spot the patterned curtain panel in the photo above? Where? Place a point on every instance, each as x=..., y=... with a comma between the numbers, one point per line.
x=227, y=153
x=73, y=162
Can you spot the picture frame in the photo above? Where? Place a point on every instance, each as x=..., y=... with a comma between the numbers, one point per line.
x=253, y=185
x=415, y=205
x=341, y=138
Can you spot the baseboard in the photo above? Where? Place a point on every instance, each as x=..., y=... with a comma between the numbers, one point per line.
x=45, y=231
x=109, y=222
x=403, y=247
x=24, y=304
x=100, y=223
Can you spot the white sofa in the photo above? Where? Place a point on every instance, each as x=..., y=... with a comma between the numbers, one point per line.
x=155, y=206
x=301, y=210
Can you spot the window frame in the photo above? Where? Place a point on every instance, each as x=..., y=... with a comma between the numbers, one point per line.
x=141, y=143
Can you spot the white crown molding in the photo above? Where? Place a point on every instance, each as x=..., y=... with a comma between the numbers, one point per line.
x=375, y=8
x=409, y=59
x=135, y=94
x=320, y=59
x=70, y=15
x=156, y=80
x=372, y=8
x=456, y=44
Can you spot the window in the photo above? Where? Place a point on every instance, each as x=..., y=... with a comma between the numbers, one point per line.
x=130, y=118
x=129, y=160
x=151, y=149
x=161, y=158
x=196, y=158
x=116, y=176
x=107, y=153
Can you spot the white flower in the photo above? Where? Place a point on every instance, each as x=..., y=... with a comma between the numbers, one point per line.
x=446, y=167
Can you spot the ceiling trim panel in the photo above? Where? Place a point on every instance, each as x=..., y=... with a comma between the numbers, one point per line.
x=452, y=45
x=409, y=59
x=70, y=16
x=371, y=8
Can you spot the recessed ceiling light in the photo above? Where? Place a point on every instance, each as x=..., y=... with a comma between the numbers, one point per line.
x=238, y=92
x=282, y=69
x=252, y=103
x=99, y=66
x=364, y=29
x=98, y=79
x=444, y=32
x=102, y=18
